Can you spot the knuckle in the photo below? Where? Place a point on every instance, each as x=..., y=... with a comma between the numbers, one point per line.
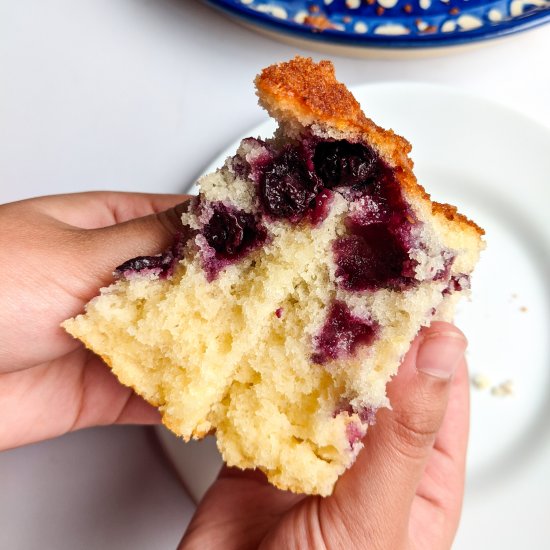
x=413, y=433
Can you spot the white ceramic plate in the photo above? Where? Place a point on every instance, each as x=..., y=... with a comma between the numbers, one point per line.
x=494, y=164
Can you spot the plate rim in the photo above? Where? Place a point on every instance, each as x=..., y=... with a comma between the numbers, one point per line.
x=268, y=22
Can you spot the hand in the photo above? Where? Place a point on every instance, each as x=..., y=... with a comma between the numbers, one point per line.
x=55, y=253
x=403, y=493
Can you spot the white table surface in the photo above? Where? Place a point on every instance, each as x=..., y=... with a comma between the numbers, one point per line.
x=139, y=95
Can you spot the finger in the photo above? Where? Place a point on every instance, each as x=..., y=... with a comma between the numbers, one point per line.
x=452, y=438
x=442, y=485
x=96, y=209
x=65, y=266
x=72, y=392
x=100, y=251
x=383, y=481
x=149, y=235
x=237, y=511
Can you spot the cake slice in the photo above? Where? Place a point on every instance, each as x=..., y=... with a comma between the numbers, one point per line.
x=308, y=264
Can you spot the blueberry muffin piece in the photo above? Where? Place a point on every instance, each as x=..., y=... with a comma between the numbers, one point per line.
x=308, y=264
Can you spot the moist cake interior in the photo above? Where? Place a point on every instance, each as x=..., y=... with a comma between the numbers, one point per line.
x=306, y=266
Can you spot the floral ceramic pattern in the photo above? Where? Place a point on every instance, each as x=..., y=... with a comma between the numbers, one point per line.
x=392, y=23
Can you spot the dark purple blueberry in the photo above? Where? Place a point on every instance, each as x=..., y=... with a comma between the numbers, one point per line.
x=230, y=232
x=287, y=187
x=341, y=163
x=279, y=312
x=144, y=263
x=371, y=258
x=162, y=264
x=342, y=333
x=230, y=235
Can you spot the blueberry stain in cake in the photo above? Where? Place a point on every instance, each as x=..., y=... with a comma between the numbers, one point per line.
x=447, y=258
x=366, y=414
x=372, y=257
x=252, y=164
x=341, y=334
x=457, y=283
x=230, y=235
x=298, y=183
x=354, y=432
x=376, y=251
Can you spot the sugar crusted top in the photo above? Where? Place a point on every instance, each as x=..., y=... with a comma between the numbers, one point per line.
x=304, y=92
x=309, y=90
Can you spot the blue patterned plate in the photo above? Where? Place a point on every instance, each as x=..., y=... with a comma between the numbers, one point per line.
x=389, y=23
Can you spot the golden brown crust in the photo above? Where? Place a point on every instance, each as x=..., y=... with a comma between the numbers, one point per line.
x=453, y=215
x=310, y=89
x=307, y=93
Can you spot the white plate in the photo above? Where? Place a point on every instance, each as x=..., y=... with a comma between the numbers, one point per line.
x=494, y=164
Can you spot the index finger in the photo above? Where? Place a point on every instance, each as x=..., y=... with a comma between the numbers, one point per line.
x=95, y=209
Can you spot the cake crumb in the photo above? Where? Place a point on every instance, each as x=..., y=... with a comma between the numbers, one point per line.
x=523, y=309
x=504, y=389
x=480, y=381
x=263, y=236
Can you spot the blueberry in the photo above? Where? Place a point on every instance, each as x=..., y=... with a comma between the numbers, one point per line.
x=341, y=163
x=288, y=188
x=161, y=265
x=231, y=234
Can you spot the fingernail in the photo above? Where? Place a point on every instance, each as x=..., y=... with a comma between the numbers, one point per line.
x=439, y=353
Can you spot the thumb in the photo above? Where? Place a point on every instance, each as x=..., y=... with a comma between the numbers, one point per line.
x=382, y=483
x=109, y=247
x=418, y=397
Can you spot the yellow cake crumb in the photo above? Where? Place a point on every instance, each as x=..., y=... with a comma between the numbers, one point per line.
x=229, y=346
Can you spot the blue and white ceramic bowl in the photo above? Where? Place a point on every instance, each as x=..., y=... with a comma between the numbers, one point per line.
x=389, y=24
